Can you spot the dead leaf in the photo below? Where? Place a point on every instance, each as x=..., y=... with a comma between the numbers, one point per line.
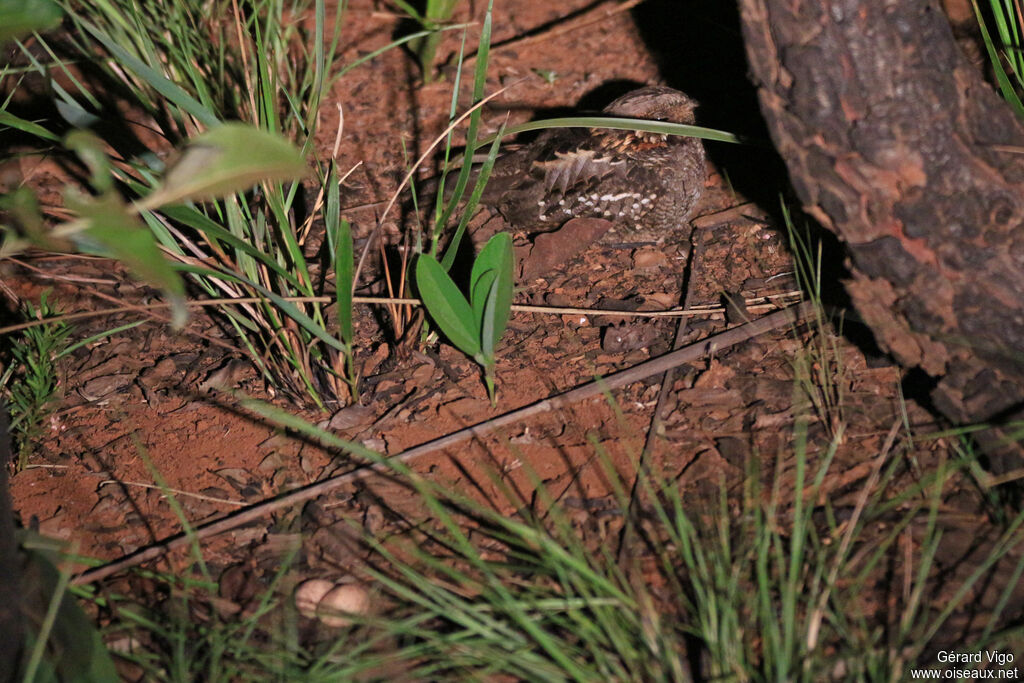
x=649, y=257
x=351, y=417
x=226, y=377
x=552, y=249
x=715, y=376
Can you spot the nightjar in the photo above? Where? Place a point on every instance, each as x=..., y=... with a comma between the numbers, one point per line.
x=645, y=183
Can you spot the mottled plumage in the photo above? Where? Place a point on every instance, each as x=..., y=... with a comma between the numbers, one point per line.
x=647, y=184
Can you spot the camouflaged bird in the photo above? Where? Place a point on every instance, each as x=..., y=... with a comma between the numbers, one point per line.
x=645, y=183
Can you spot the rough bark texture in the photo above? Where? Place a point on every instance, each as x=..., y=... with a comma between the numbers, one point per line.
x=895, y=143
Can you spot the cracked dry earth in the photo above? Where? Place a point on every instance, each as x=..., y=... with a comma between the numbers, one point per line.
x=152, y=401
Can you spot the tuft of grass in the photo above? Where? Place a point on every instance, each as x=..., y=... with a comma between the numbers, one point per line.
x=770, y=584
x=820, y=371
x=30, y=381
x=1006, y=50
x=194, y=66
x=218, y=162
x=768, y=581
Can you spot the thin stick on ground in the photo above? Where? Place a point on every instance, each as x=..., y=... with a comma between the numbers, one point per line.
x=758, y=304
x=628, y=537
x=655, y=366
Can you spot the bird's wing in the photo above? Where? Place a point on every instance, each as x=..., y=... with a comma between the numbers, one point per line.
x=575, y=170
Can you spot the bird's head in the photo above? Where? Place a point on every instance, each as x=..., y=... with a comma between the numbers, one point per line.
x=654, y=103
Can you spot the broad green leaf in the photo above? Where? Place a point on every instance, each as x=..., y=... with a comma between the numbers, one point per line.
x=21, y=17
x=106, y=227
x=229, y=158
x=446, y=305
x=489, y=321
x=480, y=289
x=496, y=258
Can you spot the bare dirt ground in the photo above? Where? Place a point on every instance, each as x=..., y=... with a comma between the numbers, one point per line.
x=147, y=402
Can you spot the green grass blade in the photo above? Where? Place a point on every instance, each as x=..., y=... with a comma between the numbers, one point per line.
x=1005, y=86
x=479, y=86
x=393, y=44
x=10, y=120
x=282, y=304
x=616, y=123
x=474, y=199
x=339, y=242
x=154, y=78
x=343, y=270
x=196, y=220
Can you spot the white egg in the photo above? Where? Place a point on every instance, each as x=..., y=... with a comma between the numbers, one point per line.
x=344, y=600
x=308, y=595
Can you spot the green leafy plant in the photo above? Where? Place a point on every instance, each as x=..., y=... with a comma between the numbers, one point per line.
x=30, y=380
x=451, y=196
x=226, y=159
x=820, y=371
x=193, y=65
x=473, y=325
x=433, y=18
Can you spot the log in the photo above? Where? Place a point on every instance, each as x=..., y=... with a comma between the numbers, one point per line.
x=896, y=143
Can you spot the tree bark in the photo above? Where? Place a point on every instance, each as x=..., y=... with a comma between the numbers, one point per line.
x=895, y=143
